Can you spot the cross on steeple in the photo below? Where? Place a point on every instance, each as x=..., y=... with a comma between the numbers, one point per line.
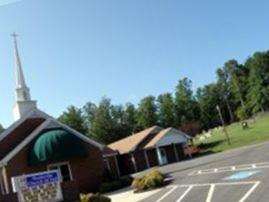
x=14, y=35
x=23, y=97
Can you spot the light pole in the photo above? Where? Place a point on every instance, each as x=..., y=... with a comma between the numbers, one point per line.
x=223, y=124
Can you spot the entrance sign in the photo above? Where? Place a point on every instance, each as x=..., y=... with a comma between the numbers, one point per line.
x=38, y=187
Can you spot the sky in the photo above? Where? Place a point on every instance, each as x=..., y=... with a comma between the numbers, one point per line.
x=74, y=51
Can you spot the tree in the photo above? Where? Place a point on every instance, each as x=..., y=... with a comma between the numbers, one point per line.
x=147, y=112
x=74, y=119
x=88, y=111
x=102, y=123
x=120, y=129
x=238, y=78
x=209, y=97
x=1, y=128
x=129, y=118
x=166, y=110
x=258, y=93
x=185, y=104
x=224, y=86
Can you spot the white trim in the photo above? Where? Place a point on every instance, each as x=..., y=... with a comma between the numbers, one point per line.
x=134, y=162
x=39, y=129
x=175, y=151
x=11, y=154
x=106, y=161
x=117, y=165
x=146, y=157
x=16, y=124
x=2, y=184
x=36, y=113
x=6, y=184
x=79, y=135
x=109, y=155
x=61, y=164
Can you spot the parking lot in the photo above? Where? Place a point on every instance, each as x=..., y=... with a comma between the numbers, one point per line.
x=240, y=175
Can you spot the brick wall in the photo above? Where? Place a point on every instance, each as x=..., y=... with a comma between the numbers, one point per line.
x=170, y=153
x=86, y=171
x=70, y=191
x=152, y=156
x=125, y=164
x=180, y=151
x=113, y=166
x=18, y=135
x=140, y=160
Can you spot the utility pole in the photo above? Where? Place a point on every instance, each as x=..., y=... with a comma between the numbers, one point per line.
x=223, y=124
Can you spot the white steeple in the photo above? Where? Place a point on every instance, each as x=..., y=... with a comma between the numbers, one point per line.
x=23, y=103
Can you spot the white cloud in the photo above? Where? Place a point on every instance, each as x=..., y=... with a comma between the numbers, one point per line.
x=7, y=2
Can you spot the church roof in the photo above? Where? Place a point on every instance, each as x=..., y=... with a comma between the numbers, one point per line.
x=48, y=123
x=55, y=144
x=143, y=140
x=131, y=142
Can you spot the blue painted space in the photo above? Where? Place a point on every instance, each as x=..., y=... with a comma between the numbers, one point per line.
x=242, y=175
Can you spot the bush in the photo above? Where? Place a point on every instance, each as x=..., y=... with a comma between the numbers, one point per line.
x=150, y=181
x=123, y=181
x=110, y=186
x=126, y=180
x=94, y=198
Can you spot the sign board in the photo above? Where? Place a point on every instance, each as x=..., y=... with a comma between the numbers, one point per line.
x=38, y=187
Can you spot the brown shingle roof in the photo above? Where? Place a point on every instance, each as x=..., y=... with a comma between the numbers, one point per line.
x=108, y=151
x=157, y=138
x=130, y=143
x=161, y=134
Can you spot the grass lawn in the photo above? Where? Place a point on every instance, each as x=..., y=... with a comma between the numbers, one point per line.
x=257, y=132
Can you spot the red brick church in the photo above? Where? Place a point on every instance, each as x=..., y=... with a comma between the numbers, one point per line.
x=37, y=142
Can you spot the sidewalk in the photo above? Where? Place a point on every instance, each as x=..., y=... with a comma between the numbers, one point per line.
x=127, y=194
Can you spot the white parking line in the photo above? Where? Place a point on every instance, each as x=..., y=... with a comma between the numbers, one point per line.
x=261, y=165
x=185, y=193
x=210, y=193
x=169, y=192
x=220, y=184
x=249, y=192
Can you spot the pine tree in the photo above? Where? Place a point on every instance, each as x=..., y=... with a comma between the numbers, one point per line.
x=102, y=124
x=147, y=112
x=129, y=118
x=258, y=94
x=185, y=104
x=1, y=128
x=74, y=119
x=166, y=110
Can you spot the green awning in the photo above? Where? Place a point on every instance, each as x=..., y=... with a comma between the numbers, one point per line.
x=54, y=145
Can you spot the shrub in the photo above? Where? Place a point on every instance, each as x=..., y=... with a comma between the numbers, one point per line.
x=94, y=198
x=150, y=181
x=123, y=181
x=110, y=186
x=126, y=180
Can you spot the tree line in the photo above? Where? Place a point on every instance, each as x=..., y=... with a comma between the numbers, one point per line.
x=240, y=90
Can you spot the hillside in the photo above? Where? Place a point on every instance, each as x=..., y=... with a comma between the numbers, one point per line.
x=257, y=132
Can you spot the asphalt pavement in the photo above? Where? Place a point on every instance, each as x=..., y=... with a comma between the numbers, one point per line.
x=240, y=175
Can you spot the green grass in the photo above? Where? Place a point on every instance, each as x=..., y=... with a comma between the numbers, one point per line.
x=257, y=132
